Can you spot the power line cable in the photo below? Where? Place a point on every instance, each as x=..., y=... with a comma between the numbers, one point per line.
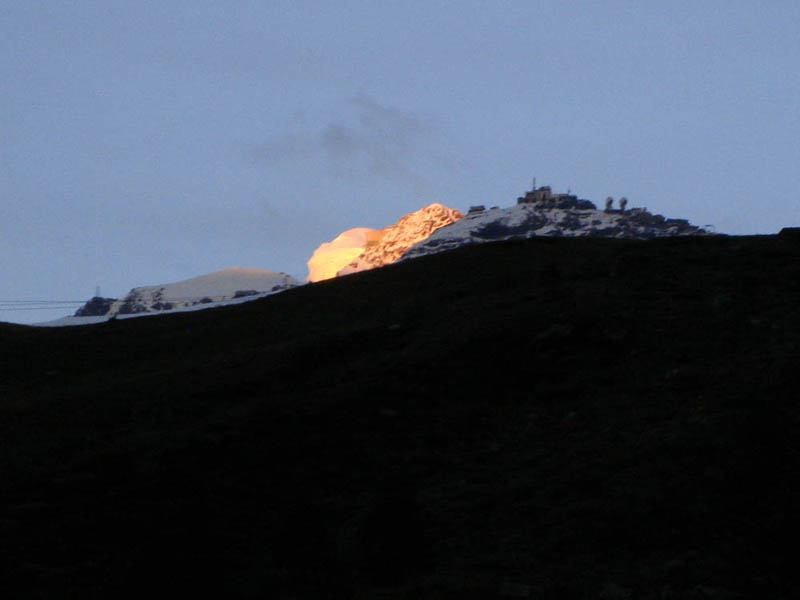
x=14, y=305
x=42, y=301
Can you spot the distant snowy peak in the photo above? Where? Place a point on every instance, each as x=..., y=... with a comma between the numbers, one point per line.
x=362, y=249
x=331, y=256
x=550, y=215
x=220, y=286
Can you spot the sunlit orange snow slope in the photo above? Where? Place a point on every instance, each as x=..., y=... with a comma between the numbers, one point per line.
x=361, y=249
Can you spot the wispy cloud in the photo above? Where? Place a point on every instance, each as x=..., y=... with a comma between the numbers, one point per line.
x=369, y=141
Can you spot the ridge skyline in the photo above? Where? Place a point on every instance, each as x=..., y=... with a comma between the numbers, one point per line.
x=431, y=229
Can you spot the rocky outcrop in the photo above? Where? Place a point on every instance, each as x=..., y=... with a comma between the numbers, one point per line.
x=96, y=307
x=553, y=215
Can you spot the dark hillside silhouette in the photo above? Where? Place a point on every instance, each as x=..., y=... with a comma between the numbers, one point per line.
x=556, y=418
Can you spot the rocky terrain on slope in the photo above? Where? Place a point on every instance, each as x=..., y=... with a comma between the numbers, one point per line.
x=362, y=249
x=542, y=213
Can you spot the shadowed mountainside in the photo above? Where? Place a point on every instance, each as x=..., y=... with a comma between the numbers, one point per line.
x=554, y=418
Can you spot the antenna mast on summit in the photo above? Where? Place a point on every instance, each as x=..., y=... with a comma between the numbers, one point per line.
x=533, y=189
x=97, y=291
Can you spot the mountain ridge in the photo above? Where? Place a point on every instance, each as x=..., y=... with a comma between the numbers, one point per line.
x=431, y=229
x=212, y=288
x=540, y=213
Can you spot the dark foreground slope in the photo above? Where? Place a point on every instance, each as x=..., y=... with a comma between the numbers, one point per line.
x=569, y=418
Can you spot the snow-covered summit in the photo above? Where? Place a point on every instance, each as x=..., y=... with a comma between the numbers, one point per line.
x=541, y=213
x=361, y=249
x=396, y=239
x=331, y=256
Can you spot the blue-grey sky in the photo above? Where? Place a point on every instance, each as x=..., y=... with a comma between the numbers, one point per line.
x=148, y=142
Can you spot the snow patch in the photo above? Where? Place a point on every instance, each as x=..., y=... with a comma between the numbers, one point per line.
x=73, y=320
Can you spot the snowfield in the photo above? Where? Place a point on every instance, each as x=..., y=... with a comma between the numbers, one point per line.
x=73, y=320
x=221, y=288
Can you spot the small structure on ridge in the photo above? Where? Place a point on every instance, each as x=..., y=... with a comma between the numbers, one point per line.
x=544, y=197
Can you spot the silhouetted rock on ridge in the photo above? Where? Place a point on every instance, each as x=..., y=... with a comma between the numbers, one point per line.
x=96, y=307
x=551, y=215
